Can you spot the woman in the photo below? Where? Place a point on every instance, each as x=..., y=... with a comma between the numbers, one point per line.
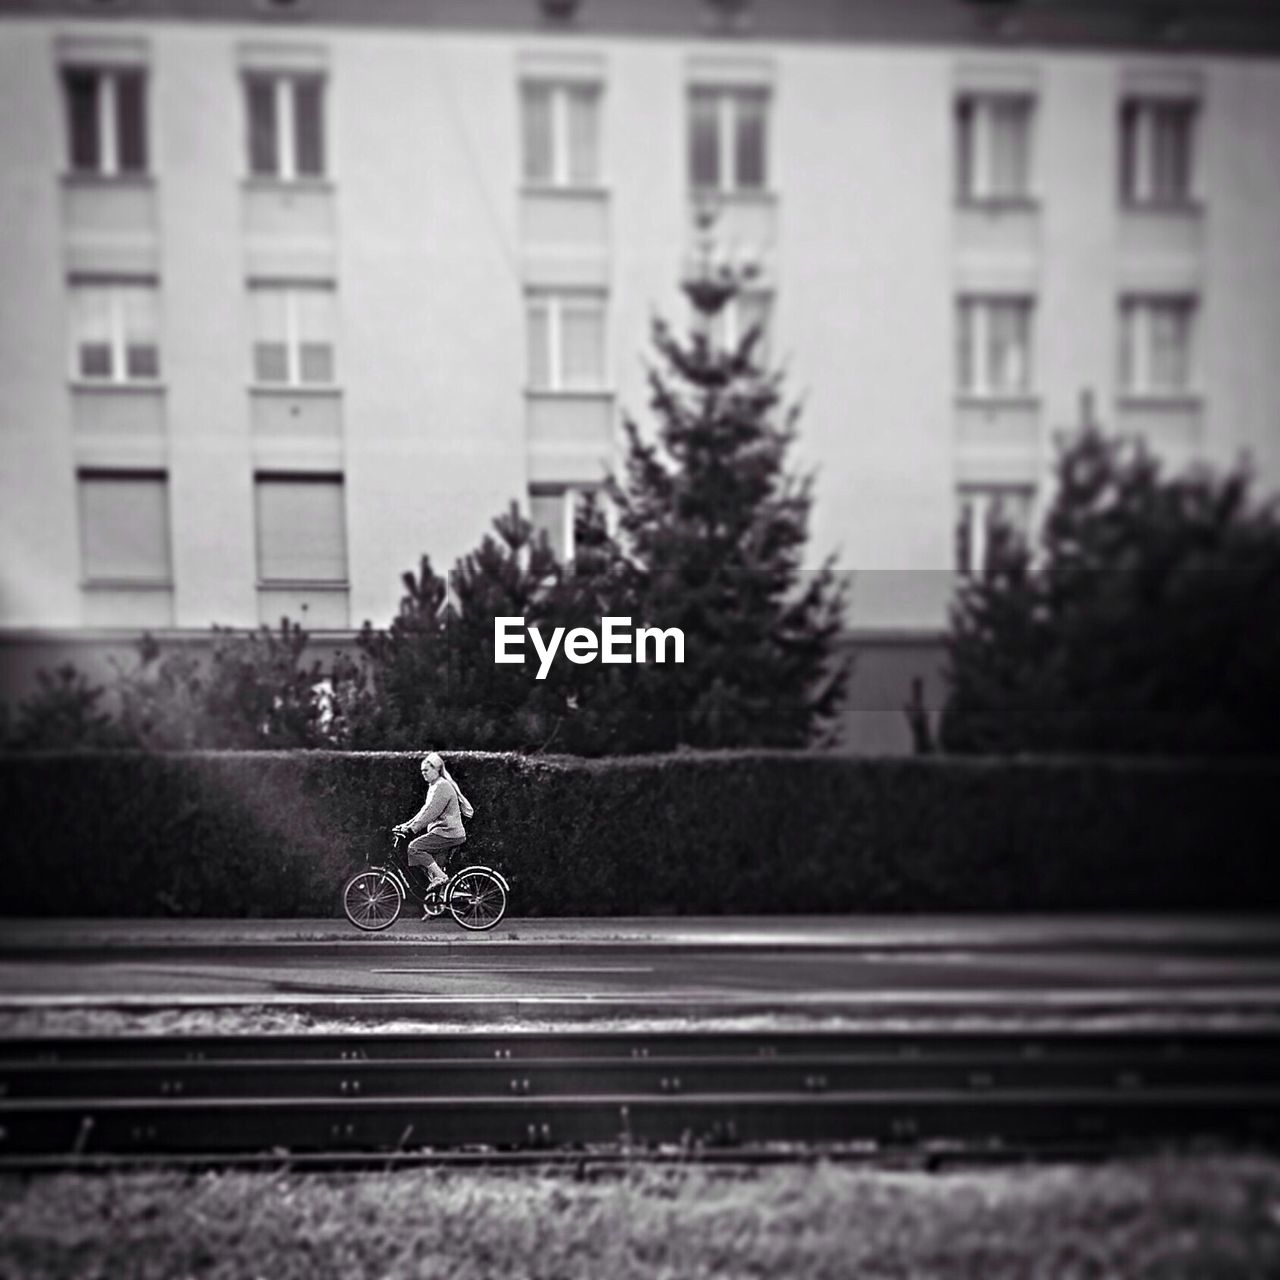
x=439, y=820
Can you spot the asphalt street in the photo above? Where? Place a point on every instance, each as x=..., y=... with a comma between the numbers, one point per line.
x=837, y=963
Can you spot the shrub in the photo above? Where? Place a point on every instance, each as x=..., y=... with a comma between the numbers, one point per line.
x=276, y=833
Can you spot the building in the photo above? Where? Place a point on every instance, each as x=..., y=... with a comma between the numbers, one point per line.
x=296, y=291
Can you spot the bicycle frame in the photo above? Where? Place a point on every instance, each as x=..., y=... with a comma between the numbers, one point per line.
x=396, y=869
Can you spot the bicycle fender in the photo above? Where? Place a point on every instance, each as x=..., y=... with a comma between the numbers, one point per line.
x=497, y=875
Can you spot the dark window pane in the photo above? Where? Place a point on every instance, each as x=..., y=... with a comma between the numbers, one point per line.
x=131, y=112
x=1129, y=152
x=704, y=140
x=270, y=362
x=95, y=360
x=264, y=159
x=964, y=149
x=142, y=360
x=308, y=128
x=1171, y=152
x=82, y=120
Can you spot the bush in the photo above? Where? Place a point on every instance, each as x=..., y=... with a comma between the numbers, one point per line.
x=275, y=833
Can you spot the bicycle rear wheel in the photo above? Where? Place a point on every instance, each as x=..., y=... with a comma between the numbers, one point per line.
x=477, y=899
x=372, y=900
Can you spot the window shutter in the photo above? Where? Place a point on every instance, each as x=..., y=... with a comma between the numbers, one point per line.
x=539, y=338
x=124, y=528
x=584, y=135
x=749, y=145
x=91, y=327
x=301, y=529
x=546, y=514
x=539, y=162
x=704, y=139
x=315, y=335
x=141, y=324
x=582, y=340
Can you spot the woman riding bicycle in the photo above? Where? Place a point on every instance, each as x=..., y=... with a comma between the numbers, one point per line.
x=439, y=820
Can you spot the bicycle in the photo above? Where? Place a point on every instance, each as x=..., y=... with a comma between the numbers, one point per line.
x=475, y=896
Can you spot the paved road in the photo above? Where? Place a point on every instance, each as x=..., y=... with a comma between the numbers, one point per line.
x=843, y=964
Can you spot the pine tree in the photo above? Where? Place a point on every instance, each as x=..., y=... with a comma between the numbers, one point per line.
x=711, y=534
x=1146, y=620
x=430, y=678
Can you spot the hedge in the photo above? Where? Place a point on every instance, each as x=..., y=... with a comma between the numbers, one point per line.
x=276, y=833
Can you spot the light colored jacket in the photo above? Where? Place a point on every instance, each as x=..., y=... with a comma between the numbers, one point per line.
x=440, y=815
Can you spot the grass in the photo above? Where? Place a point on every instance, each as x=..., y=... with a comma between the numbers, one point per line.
x=1206, y=1217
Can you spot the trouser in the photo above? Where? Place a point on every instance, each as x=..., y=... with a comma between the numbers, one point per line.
x=423, y=850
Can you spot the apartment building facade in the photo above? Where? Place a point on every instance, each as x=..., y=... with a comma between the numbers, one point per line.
x=296, y=292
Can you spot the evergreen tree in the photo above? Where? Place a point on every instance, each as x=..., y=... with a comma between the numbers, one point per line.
x=431, y=676
x=711, y=534
x=1146, y=621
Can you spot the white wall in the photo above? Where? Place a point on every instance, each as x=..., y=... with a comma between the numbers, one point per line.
x=423, y=140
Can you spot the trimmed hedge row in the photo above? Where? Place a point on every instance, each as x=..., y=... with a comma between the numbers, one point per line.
x=275, y=834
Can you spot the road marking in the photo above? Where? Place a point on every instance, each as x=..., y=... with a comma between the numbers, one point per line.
x=445, y=970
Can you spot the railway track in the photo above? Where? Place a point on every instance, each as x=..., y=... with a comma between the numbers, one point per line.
x=347, y=1099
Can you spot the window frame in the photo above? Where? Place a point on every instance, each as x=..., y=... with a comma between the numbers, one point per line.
x=89, y=580
x=974, y=145
x=284, y=86
x=560, y=91
x=980, y=387
x=727, y=98
x=1137, y=156
x=290, y=291
x=556, y=302
x=1135, y=351
x=115, y=288
x=108, y=121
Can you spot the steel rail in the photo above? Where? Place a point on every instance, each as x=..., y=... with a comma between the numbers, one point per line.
x=541, y=1045
x=96, y=1126
x=605, y=1076
x=423, y=1097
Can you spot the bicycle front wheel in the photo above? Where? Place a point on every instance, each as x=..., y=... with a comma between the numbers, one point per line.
x=477, y=899
x=372, y=900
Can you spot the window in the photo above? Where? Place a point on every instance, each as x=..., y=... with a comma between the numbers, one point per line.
x=727, y=139
x=293, y=328
x=742, y=313
x=1156, y=151
x=1156, y=345
x=561, y=134
x=302, y=535
x=115, y=332
x=993, y=148
x=984, y=511
x=994, y=346
x=124, y=527
x=566, y=341
x=552, y=509
x=106, y=121
x=286, y=126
